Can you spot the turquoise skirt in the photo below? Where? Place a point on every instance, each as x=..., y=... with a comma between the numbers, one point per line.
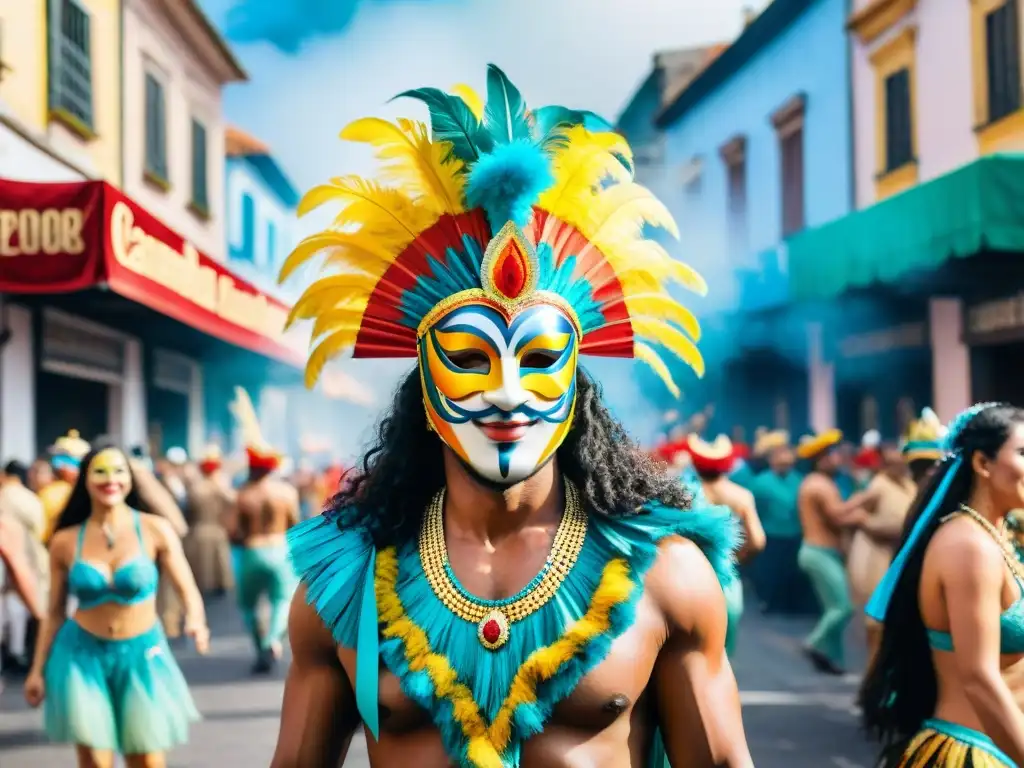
x=128, y=696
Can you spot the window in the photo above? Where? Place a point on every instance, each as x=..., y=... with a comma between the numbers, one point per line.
x=246, y=252
x=899, y=128
x=789, y=125
x=895, y=121
x=1002, y=61
x=200, y=193
x=271, y=244
x=70, y=76
x=734, y=155
x=156, y=131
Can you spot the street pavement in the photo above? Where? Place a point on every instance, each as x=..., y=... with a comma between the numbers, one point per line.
x=794, y=718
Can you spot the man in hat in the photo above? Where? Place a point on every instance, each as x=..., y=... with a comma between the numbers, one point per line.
x=210, y=501
x=65, y=456
x=824, y=516
x=712, y=463
x=780, y=585
x=264, y=509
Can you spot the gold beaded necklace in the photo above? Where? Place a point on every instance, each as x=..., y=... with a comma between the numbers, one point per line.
x=494, y=617
x=1005, y=545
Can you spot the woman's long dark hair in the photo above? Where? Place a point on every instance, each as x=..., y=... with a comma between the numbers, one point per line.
x=899, y=690
x=403, y=469
x=79, y=505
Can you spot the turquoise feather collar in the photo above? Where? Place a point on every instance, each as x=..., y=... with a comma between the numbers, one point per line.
x=438, y=658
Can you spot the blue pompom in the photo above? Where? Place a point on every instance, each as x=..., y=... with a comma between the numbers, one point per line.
x=507, y=182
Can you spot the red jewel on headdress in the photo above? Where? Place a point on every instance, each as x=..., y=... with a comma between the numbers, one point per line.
x=491, y=631
x=510, y=271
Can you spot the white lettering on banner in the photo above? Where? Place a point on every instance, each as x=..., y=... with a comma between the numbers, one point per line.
x=995, y=316
x=50, y=231
x=906, y=336
x=183, y=273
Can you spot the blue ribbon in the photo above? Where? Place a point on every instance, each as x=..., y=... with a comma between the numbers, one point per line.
x=879, y=602
x=368, y=651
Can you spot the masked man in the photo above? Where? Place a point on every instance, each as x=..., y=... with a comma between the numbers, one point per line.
x=264, y=509
x=508, y=580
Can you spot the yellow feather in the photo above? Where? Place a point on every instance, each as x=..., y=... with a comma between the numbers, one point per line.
x=338, y=291
x=647, y=355
x=672, y=339
x=332, y=346
x=661, y=306
x=245, y=413
x=348, y=248
x=471, y=98
x=580, y=166
x=339, y=319
x=411, y=160
x=629, y=201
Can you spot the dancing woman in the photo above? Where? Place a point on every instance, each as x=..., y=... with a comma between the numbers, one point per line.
x=108, y=677
x=952, y=608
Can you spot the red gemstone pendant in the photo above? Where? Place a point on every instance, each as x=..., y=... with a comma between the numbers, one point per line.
x=493, y=630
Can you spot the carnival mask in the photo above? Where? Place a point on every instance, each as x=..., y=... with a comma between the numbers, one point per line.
x=499, y=369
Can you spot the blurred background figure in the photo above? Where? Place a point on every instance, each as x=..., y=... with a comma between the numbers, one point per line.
x=712, y=464
x=210, y=502
x=65, y=456
x=24, y=519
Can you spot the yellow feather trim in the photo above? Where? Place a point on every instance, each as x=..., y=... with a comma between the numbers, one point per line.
x=663, y=307
x=579, y=166
x=646, y=354
x=485, y=743
x=349, y=290
x=409, y=159
x=670, y=337
x=471, y=98
x=342, y=339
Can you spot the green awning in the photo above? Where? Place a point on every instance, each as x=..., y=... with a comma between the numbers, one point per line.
x=977, y=207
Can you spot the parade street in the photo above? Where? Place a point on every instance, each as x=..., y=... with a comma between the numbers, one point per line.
x=794, y=718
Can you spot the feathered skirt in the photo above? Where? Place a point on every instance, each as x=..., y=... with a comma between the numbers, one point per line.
x=941, y=744
x=127, y=695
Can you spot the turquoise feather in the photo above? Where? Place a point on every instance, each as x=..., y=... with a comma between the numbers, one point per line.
x=549, y=118
x=454, y=122
x=508, y=182
x=330, y=561
x=505, y=111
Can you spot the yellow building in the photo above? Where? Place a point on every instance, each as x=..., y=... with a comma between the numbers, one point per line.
x=60, y=88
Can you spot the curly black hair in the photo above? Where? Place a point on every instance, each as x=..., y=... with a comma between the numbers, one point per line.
x=899, y=690
x=403, y=469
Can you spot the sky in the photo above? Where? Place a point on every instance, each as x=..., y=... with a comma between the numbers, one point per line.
x=315, y=65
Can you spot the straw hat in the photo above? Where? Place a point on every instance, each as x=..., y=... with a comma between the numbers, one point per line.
x=813, y=445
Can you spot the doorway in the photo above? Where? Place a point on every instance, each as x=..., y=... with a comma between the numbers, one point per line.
x=69, y=403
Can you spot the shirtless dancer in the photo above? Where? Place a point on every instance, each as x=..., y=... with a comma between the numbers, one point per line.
x=265, y=509
x=210, y=499
x=712, y=463
x=507, y=581
x=823, y=516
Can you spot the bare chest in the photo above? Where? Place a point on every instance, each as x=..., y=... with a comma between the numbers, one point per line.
x=610, y=694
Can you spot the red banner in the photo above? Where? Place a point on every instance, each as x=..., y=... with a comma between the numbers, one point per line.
x=56, y=238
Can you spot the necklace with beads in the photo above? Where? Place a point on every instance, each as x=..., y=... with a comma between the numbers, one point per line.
x=1005, y=545
x=494, y=618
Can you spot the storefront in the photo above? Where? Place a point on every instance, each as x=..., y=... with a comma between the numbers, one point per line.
x=941, y=254
x=100, y=292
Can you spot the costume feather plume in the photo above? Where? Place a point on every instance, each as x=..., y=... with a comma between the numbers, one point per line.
x=400, y=246
x=245, y=414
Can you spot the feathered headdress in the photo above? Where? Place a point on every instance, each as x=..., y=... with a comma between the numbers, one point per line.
x=924, y=437
x=258, y=451
x=70, y=446
x=495, y=203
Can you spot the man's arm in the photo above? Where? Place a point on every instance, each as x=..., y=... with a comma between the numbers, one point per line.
x=840, y=513
x=754, y=538
x=319, y=715
x=698, y=701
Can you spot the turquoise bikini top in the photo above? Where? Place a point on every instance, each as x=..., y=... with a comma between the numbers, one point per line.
x=131, y=582
x=1011, y=627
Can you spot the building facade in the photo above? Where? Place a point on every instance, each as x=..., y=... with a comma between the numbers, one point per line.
x=119, y=313
x=938, y=101
x=760, y=147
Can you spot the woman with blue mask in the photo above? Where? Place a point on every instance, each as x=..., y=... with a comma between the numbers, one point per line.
x=940, y=692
